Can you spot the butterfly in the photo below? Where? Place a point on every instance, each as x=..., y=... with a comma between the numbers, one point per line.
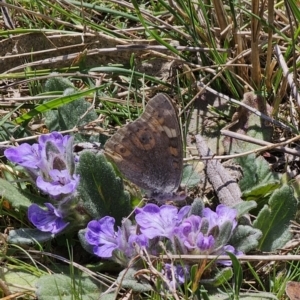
x=293, y=290
x=149, y=151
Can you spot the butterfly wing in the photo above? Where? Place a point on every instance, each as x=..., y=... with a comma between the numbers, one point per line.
x=149, y=150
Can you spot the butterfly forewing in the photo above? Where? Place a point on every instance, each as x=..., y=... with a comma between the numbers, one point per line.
x=149, y=150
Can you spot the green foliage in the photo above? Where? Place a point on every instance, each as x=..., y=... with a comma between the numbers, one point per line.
x=28, y=236
x=258, y=181
x=53, y=104
x=244, y=207
x=276, y=202
x=197, y=207
x=245, y=238
x=9, y=130
x=190, y=178
x=73, y=114
x=62, y=287
x=101, y=189
x=274, y=219
x=218, y=279
x=238, y=273
x=127, y=279
x=86, y=246
x=18, y=278
x=58, y=84
x=10, y=193
x=224, y=234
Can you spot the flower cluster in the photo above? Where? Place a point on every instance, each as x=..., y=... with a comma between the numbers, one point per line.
x=182, y=232
x=50, y=164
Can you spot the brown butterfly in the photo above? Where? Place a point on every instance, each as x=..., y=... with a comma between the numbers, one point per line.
x=149, y=150
x=293, y=290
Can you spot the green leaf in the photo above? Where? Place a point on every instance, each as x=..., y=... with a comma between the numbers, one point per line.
x=130, y=73
x=127, y=279
x=9, y=130
x=197, y=207
x=244, y=207
x=28, y=236
x=100, y=189
x=55, y=103
x=86, y=246
x=13, y=195
x=73, y=114
x=245, y=238
x=261, y=190
x=273, y=220
x=224, y=234
x=220, y=278
x=190, y=178
x=18, y=279
x=238, y=273
x=258, y=180
x=62, y=287
x=249, y=124
x=57, y=83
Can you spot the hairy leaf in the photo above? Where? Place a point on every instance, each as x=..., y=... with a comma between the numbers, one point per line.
x=258, y=180
x=100, y=189
x=273, y=220
x=127, y=279
x=13, y=195
x=245, y=238
x=62, y=287
x=28, y=236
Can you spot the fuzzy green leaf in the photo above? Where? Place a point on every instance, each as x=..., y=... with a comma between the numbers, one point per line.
x=62, y=287
x=258, y=180
x=244, y=207
x=220, y=278
x=190, y=178
x=76, y=113
x=100, y=189
x=224, y=234
x=13, y=195
x=127, y=279
x=18, y=279
x=58, y=84
x=274, y=218
x=245, y=238
x=197, y=207
x=9, y=130
x=53, y=104
x=86, y=246
x=28, y=236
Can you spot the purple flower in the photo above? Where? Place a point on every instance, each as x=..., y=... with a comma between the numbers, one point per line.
x=138, y=239
x=50, y=163
x=25, y=155
x=55, y=148
x=57, y=139
x=102, y=235
x=60, y=182
x=223, y=214
x=189, y=235
x=176, y=275
x=224, y=250
x=50, y=220
x=157, y=221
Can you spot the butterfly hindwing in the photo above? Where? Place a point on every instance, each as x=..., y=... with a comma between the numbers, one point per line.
x=149, y=150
